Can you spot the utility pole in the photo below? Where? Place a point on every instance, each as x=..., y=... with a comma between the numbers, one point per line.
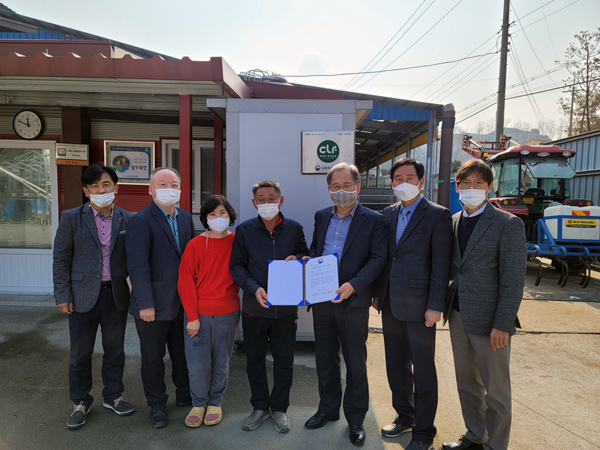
x=502, y=77
x=571, y=115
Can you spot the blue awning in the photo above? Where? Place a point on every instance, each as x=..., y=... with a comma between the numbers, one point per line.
x=387, y=111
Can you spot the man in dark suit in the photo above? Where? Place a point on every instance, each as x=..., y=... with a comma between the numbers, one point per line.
x=485, y=292
x=157, y=237
x=359, y=238
x=412, y=294
x=90, y=286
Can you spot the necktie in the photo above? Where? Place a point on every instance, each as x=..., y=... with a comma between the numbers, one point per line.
x=402, y=222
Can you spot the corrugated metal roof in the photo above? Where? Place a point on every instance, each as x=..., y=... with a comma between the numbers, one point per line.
x=47, y=30
x=388, y=111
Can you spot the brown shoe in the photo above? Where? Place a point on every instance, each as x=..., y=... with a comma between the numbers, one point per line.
x=214, y=414
x=195, y=417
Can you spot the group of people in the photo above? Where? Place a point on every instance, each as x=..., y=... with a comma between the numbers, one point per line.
x=413, y=263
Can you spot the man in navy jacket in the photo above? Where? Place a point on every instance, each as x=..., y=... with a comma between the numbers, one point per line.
x=412, y=296
x=269, y=236
x=358, y=236
x=156, y=239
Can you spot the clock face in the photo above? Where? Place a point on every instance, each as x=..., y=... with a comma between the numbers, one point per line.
x=28, y=125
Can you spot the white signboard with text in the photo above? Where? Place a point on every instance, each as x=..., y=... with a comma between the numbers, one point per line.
x=72, y=154
x=321, y=150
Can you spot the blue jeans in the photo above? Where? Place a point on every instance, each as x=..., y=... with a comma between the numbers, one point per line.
x=208, y=355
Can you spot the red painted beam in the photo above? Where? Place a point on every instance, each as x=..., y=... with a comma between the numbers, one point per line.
x=185, y=151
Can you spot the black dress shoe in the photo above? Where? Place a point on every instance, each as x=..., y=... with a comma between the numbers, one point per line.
x=357, y=435
x=462, y=444
x=394, y=430
x=318, y=420
x=158, y=415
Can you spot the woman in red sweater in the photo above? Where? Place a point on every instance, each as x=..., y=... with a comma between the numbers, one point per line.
x=212, y=310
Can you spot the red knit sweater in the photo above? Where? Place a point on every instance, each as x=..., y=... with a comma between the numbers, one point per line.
x=205, y=285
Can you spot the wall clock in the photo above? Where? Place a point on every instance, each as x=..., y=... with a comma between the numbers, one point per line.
x=28, y=125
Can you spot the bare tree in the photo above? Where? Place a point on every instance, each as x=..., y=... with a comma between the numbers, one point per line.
x=582, y=109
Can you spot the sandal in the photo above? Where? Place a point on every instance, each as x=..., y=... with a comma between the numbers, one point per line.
x=195, y=417
x=214, y=414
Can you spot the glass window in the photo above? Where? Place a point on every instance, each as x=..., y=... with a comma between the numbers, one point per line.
x=509, y=178
x=550, y=168
x=384, y=174
x=25, y=198
x=207, y=168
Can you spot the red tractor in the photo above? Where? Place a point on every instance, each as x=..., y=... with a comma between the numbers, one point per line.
x=529, y=179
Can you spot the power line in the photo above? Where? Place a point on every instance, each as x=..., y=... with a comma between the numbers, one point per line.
x=529, y=42
x=388, y=42
x=526, y=95
x=390, y=70
x=414, y=43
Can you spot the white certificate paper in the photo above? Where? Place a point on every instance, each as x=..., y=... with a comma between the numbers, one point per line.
x=303, y=282
x=321, y=279
x=284, y=286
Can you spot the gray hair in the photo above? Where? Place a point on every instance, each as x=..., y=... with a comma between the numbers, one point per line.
x=344, y=166
x=158, y=169
x=267, y=184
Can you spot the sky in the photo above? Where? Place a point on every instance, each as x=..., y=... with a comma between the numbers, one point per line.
x=330, y=37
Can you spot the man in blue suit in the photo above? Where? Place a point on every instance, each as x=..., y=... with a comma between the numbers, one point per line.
x=157, y=237
x=412, y=295
x=90, y=286
x=359, y=237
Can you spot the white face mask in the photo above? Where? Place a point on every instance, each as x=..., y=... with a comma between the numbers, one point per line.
x=472, y=198
x=268, y=211
x=405, y=192
x=219, y=224
x=102, y=200
x=342, y=198
x=167, y=196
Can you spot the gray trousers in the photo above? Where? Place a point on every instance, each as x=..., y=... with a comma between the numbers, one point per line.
x=483, y=382
x=208, y=355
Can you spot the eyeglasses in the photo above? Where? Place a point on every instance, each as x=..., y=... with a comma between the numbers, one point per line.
x=466, y=184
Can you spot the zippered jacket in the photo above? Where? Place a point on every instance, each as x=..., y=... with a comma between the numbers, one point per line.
x=253, y=248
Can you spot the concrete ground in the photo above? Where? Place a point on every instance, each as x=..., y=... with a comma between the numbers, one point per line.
x=555, y=379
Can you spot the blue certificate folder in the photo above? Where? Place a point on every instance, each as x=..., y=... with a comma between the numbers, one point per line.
x=303, y=282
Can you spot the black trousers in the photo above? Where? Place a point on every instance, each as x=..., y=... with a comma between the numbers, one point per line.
x=82, y=331
x=155, y=338
x=336, y=325
x=280, y=333
x=410, y=361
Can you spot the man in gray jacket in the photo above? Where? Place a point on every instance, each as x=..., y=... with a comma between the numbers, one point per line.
x=90, y=286
x=486, y=289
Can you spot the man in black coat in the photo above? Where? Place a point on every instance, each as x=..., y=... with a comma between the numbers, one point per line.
x=412, y=296
x=269, y=236
x=156, y=239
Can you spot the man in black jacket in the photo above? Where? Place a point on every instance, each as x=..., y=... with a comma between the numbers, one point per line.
x=270, y=236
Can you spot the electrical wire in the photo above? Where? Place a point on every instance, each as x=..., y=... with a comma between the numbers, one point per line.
x=349, y=83
x=566, y=86
x=530, y=45
x=414, y=43
x=390, y=70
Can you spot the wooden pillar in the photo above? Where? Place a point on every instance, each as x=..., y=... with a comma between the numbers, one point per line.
x=218, y=156
x=185, y=151
x=76, y=129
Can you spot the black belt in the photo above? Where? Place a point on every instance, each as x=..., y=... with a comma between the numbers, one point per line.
x=105, y=284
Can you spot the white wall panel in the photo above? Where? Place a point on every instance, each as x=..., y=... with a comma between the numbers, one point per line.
x=25, y=271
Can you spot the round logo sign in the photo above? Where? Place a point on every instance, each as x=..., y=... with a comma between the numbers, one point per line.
x=328, y=151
